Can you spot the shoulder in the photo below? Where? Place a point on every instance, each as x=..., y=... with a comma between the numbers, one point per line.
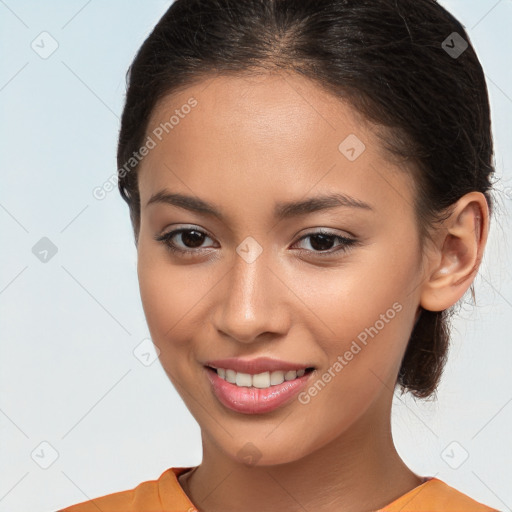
x=434, y=494
x=159, y=495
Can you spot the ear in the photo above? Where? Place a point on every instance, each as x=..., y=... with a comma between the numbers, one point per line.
x=455, y=257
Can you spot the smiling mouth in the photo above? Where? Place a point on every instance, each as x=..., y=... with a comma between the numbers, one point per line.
x=260, y=380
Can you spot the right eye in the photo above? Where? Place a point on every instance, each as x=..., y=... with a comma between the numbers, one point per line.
x=191, y=238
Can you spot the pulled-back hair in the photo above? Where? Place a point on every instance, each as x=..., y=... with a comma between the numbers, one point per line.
x=398, y=62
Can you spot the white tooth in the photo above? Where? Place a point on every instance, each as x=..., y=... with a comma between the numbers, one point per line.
x=276, y=377
x=290, y=375
x=243, y=379
x=261, y=380
x=231, y=376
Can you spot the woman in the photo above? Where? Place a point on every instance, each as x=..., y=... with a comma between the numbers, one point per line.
x=309, y=188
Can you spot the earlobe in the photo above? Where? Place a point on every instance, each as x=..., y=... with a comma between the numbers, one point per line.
x=456, y=257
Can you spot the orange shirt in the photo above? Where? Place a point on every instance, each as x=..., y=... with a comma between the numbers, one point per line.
x=167, y=495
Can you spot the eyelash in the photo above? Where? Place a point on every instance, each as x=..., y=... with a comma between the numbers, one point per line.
x=346, y=243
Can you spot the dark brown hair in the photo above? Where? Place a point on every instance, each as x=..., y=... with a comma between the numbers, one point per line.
x=399, y=64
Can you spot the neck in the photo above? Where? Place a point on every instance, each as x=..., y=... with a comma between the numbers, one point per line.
x=359, y=470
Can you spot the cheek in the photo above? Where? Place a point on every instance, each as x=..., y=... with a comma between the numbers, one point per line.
x=166, y=298
x=366, y=314
x=349, y=299
x=361, y=367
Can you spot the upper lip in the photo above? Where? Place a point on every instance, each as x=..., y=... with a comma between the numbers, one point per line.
x=255, y=366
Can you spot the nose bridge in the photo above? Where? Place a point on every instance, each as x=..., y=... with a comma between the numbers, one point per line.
x=249, y=304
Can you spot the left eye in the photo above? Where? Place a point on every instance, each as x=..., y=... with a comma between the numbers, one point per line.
x=322, y=241
x=192, y=239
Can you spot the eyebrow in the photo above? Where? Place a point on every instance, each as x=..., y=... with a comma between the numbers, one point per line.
x=282, y=210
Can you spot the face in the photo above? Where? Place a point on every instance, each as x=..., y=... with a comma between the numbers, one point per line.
x=330, y=285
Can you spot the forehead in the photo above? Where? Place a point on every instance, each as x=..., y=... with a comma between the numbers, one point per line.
x=275, y=133
x=269, y=110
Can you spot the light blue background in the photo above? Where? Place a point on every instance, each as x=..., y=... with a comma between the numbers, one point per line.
x=69, y=327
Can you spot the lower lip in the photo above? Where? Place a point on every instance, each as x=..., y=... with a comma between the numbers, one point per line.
x=255, y=400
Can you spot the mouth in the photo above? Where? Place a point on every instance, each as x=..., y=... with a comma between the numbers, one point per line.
x=263, y=380
x=257, y=393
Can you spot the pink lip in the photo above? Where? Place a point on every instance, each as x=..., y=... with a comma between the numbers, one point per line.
x=250, y=400
x=255, y=366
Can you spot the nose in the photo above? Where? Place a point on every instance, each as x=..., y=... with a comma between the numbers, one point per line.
x=251, y=305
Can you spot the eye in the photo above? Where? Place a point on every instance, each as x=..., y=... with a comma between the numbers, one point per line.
x=322, y=242
x=191, y=238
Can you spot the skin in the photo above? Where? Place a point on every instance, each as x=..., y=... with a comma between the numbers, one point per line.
x=248, y=144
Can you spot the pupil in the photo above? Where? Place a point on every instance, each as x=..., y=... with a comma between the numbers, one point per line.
x=327, y=240
x=192, y=240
